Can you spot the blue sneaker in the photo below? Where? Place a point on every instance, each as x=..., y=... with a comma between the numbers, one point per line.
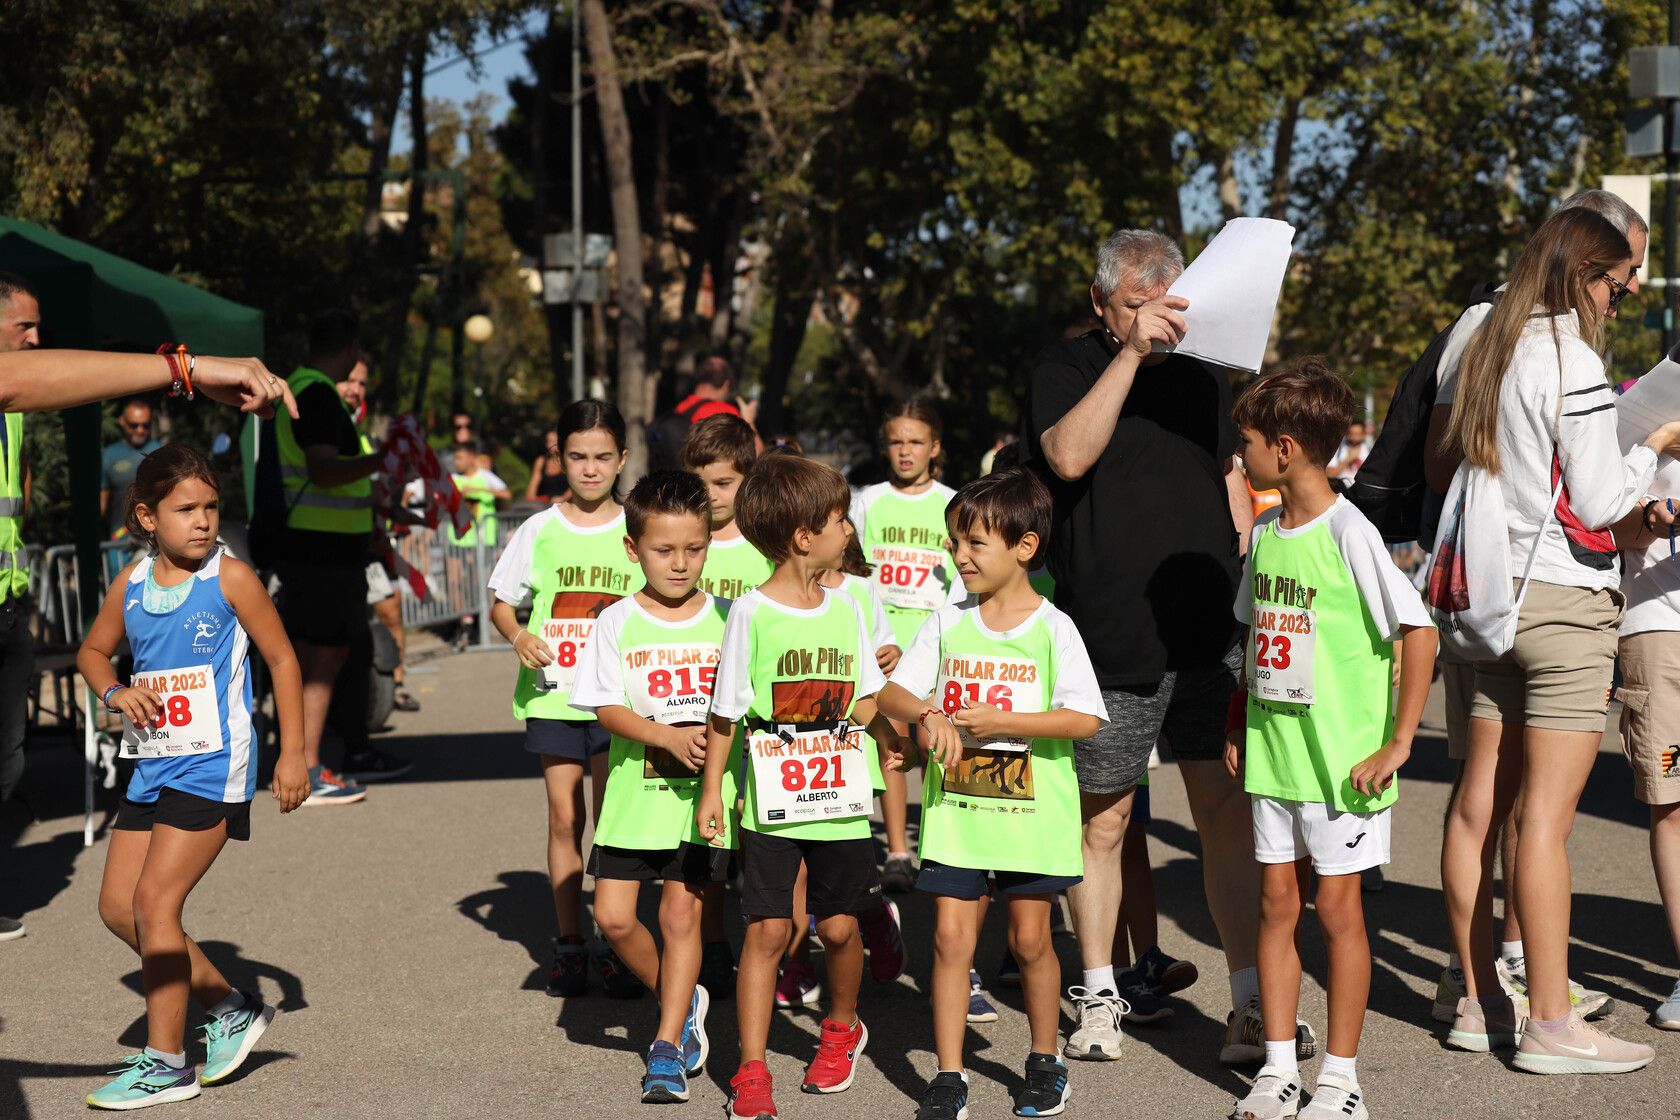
x=980, y=1009
x=695, y=1045
x=228, y=1038
x=665, y=1082
x=1667, y=1015
x=144, y=1081
x=328, y=788
x=1046, y=1091
x=945, y=1098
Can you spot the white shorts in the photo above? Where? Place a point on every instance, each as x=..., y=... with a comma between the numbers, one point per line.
x=379, y=584
x=1339, y=843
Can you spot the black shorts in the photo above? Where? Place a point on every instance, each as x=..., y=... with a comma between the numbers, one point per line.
x=842, y=877
x=323, y=604
x=185, y=811
x=686, y=863
x=577, y=740
x=970, y=882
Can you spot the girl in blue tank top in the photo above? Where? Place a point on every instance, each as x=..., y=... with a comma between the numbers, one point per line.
x=190, y=613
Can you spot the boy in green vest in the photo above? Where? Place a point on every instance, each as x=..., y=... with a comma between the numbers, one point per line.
x=647, y=675
x=1324, y=605
x=1001, y=686
x=798, y=668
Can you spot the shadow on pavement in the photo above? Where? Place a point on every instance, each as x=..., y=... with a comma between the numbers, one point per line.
x=244, y=974
x=521, y=910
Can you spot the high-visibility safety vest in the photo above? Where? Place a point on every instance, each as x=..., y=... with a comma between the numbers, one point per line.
x=484, y=518
x=14, y=573
x=326, y=509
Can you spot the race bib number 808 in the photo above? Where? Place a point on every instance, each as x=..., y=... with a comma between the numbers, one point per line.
x=189, y=720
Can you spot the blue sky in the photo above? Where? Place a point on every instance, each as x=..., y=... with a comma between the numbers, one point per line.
x=455, y=81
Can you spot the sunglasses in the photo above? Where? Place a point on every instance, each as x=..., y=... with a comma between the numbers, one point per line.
x=143, y=426
x=1618, y=290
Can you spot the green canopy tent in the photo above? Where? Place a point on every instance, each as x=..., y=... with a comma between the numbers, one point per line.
x=94, y=300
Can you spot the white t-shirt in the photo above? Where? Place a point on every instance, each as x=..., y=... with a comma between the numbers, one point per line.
x=1076, y=687
x=600, y=668
x=1652, y=582
x=1388, y=595
x=732, y=694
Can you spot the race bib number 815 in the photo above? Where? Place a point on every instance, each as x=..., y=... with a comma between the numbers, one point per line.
x=189, y=720
x=671, y=684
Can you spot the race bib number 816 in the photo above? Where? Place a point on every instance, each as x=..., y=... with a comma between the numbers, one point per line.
x=1009, y=684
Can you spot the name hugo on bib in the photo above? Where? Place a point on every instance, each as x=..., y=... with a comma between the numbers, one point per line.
x=966, y=679
x=1281, y=654
x=910, y=578
x=189, y=720
x=806, y=773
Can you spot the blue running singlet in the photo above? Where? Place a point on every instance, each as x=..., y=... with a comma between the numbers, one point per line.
x=201, y=633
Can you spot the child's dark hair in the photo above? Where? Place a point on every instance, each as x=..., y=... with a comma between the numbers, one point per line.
x=786, y=493
x=587, y=415
x=1308, y=402
x=720, y=439
x=1010, y=503
x=673, y=492
x=916, y=408
x=158, y=474
x=855, y=563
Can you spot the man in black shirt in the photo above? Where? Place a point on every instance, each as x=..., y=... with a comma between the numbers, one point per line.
x=1137, y=447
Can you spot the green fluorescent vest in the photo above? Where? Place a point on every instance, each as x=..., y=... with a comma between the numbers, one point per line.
x=14, y=573
x=337, y=509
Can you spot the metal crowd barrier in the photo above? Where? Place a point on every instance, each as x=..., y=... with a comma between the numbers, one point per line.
x=457, y=576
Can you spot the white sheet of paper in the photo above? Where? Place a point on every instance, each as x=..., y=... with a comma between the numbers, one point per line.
x=1653, y=401
x=1233, y=288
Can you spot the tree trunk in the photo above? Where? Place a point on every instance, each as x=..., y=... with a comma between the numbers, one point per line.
x=788, y=319
x=413, y=232
x=660, y=391
x=379, y=155
x=1283, y=152
x=627, y=233
x=555, y=318
x=1230, y=191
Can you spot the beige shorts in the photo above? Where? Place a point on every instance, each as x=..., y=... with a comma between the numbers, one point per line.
x=1556, y=675
x=1650, y=729
x=1458, y=687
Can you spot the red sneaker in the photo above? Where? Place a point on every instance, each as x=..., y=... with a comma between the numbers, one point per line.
x=831, y=1071
x=749, y=1093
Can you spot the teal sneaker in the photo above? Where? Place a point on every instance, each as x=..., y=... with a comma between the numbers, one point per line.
x=695, y=1046
x=144, y=1081
x=228, y=1038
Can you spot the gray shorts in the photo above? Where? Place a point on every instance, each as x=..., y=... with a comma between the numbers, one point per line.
x=1186, y=709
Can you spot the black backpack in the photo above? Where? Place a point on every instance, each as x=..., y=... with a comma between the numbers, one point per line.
x=1390, y=489
x=665, y=438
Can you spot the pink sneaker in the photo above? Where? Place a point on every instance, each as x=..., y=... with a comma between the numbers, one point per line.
x=798, y=986
x=883, y=936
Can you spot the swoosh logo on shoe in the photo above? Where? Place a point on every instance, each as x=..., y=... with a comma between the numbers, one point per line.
x=1585, y=1052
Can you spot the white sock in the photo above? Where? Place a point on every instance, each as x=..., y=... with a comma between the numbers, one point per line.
x=1281, y=1056
x=173, y=1061
x=234, y=1000
x=1101, y=979
x=1245, y=985
x=963, y=1073
x=1341, y=1067
x=1512, y=951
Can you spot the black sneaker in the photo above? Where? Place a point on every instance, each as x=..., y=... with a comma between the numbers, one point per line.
x=945, y=1098
x=717, y=969
x=373, y=765
x=570, y=974
x=1046, y=1091
x=10, y=929
x=616, y=977
x=404, y=701
x=1142, y=1004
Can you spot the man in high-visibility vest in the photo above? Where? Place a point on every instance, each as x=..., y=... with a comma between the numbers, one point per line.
x=321, y=553
x=20, y=329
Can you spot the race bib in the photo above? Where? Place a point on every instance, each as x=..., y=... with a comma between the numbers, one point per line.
x=565, y=638
x=1280, y=654
x=190, y=721
x=671, y=684
x=809, y=775
x=916, y=579
x=1009, y=684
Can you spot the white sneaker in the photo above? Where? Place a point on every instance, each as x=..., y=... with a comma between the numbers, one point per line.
x=1098, y=1036
x=1590, y=1004
x=1276, y=1093
x=1336, y=1098
x=1245, y=1037
x=1448, y=991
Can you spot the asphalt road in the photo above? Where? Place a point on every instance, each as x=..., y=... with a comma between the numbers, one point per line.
x=405, y=942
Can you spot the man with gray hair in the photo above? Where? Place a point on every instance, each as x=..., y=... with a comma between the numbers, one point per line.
x=1138, y=449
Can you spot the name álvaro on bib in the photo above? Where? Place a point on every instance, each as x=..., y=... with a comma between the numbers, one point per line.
x=672, y=686
x=189, y=719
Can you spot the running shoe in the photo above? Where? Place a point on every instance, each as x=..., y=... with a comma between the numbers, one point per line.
x=945, y=1098
x=1482, y=1030
x=404, y=701
x=749, y=1093
x=228, y=1038
x=1276, y=1093
x=1449, y=989
x=10, y=929
x=1245, y=1037
x=143, y=1081
x=1008, y=971
x=374, y=765
x=1581, y=1048
x=1142, y=1004
x=717, y=969
x=898, y=874
x=883, y=936
x=1667, y=1015
x=832, y=1070
x=328, y=788
x=1098, y=1036
x=1046, y=1090
x=616, y=978
x=1165, y=974
x=1589, y=1004
x=664, y=1082
x=1336, y=1098
x=798, y=985
x=696, y=1047
x=569, y=975
x=980, y=1009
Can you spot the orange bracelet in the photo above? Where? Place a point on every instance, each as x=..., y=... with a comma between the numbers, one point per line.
x=181, y=366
